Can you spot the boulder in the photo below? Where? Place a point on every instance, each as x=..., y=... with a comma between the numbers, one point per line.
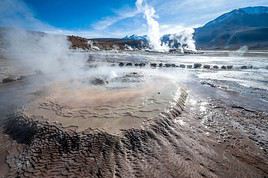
x=98, y=81
x=229, y=67
x=142, y=64
x=197, y=65
x=153, y=64
x=8, y=80
x=167, y=65
x=223, y=67
x=182, y=66
x=12, y=79
x=206, y=66
x=215, y=67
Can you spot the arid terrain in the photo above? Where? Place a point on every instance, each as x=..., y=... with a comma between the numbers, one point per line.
x=154, y=119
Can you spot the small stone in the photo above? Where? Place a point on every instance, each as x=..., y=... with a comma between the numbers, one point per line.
x=197, y=65
x=206, y=66
x=182, y=66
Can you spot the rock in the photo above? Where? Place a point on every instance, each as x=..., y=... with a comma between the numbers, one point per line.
x=229, y=67
x=243, y=67
x=209, y=84
x=182, y=66
x=223, y=67
x=172, y=50
x=206, y=66
x=12, y=79
x=142, y=64
x=8, y=80
x=173, y=65
x=98, y=81
x=167, y=65
x=121, y=64
x=153, y=64
x=189, y=66
x=136, y=64
x=215, y=67
x=129, y=64
x=160, y=64
x=197, y=65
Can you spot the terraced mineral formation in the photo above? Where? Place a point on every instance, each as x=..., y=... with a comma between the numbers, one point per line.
x=131, y=125
x=95, y=132
x=125, y=102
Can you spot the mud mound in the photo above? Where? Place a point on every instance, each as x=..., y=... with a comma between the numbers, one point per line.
x=167, y=147
x=55, y=151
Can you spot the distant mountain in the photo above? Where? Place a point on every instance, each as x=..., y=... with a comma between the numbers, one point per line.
x=178, y=41
x=240, y=27
x=173, y=41
x=136, y=37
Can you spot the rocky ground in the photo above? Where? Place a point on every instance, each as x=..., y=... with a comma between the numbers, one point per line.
x=193, y=139
x=207, y=131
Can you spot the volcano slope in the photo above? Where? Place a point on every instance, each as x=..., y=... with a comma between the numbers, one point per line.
x=134, y=125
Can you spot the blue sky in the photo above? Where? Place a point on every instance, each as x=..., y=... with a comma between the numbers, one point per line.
x=112, y=18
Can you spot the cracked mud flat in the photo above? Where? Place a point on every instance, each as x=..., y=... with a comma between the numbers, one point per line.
x=172, y=130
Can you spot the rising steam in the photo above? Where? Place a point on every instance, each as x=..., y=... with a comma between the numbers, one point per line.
x=183, y=36
x=153, y=25
x=46, y=53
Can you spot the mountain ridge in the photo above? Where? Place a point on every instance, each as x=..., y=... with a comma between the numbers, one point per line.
x=220, y=32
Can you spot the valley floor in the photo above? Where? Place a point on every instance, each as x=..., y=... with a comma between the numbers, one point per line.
x=202, y=126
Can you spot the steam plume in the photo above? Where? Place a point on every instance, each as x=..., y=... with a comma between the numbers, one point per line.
x=47, y=53
x=153, y=25
x=184, y=35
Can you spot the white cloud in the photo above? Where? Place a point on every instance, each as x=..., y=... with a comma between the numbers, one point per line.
x=120, y=15
x=15, y=13
x=193, y=12
x=173, y=15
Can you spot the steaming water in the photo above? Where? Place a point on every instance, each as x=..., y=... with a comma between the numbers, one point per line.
x=183, y=35
x=153, y=25
x=257, y=77
x=252, y=83
x=253, y=80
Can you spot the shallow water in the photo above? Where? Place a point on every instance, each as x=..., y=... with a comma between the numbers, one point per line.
x=251, y=83
x=190, y=143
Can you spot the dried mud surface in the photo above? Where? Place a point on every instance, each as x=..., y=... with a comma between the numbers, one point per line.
x=113, y=133
x=181, y=142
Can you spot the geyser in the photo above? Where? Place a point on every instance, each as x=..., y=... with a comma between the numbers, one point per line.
x=184, y=36
x=153, y=25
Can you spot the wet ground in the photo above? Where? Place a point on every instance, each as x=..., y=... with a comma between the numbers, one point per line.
x=138, y=121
